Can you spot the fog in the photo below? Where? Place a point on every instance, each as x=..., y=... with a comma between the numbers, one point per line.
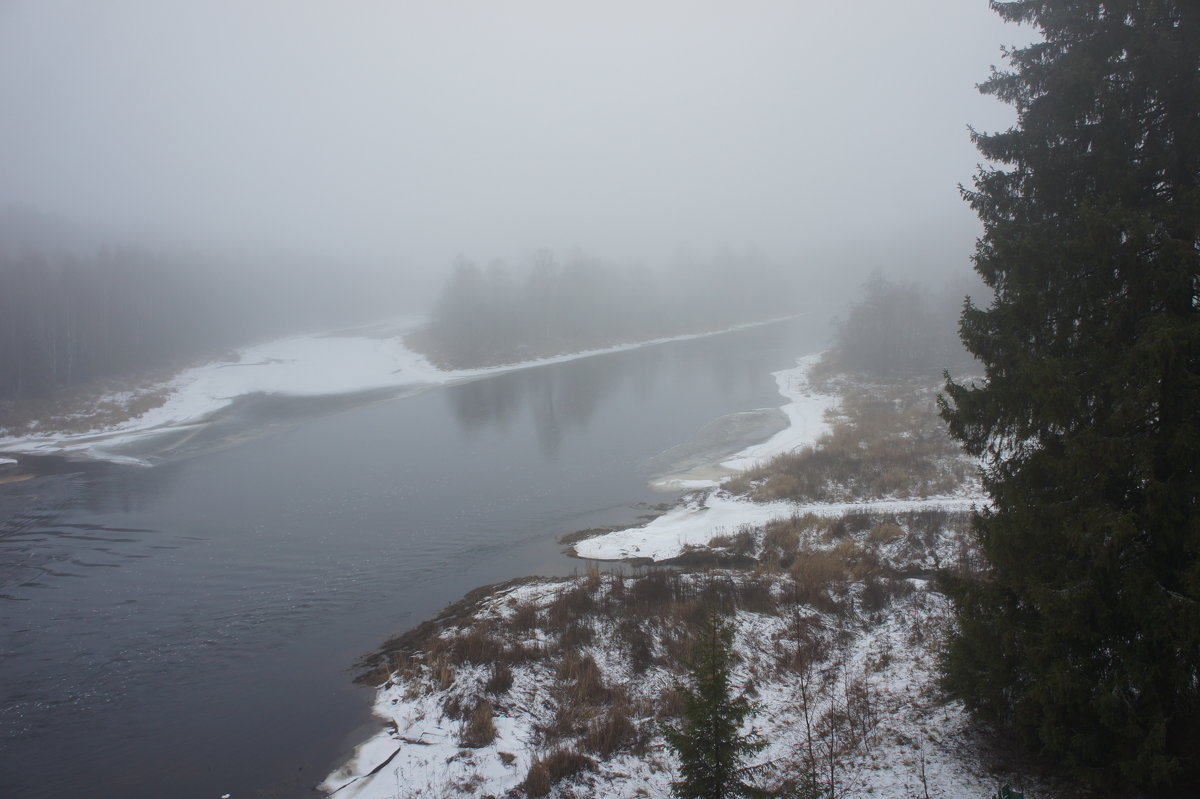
x=541, y=178
x=401, y=134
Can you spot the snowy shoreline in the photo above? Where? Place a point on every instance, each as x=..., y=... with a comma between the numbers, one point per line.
x=922, y=739
x=318, y=365
x=710, y=512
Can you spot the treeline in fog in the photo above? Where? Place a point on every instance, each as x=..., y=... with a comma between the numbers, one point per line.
x=491, y=314
x=70, y=315
x=902, y=328
x=69, y=319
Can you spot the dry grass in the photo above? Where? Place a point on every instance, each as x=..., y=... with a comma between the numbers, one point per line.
x=556, y=766
x=885, y=441
x=478, y=729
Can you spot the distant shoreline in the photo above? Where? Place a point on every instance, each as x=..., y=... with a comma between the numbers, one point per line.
x=330, y=364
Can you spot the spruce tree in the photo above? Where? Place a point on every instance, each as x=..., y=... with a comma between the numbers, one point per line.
x=710, y=745
x=1084, y=633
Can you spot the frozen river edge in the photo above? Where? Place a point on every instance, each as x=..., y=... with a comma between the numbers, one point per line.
x=374, y=362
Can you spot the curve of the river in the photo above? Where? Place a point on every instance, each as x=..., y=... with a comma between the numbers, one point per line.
x=190, y=630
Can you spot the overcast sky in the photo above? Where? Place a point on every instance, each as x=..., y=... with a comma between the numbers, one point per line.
x=418, y=130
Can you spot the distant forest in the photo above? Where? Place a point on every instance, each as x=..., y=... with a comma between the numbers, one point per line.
x=67, y=320
x=490, y=315
x=71, y=316
x=897, y=329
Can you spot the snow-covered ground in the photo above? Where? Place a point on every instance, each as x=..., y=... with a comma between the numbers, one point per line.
x=855, y=691
x=710, y=512
x=300, y=366
x=705, y=516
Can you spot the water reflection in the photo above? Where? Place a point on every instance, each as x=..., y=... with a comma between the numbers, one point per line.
x=567, y=397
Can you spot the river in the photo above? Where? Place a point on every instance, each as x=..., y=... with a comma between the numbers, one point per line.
x=190, y=630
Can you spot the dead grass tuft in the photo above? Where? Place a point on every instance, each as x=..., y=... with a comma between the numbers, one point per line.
x=478, y=729
x=615, y=730
x=558, y=765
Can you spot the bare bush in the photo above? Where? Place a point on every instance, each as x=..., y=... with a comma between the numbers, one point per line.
x=478, y=729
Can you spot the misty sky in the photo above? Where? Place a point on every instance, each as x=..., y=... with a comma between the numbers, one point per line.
x=416, y=131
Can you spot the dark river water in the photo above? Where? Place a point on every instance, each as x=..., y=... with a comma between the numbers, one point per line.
x=190, y=630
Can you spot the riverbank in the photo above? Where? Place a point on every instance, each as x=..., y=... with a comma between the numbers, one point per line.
x=560, y=687
x=371, y=361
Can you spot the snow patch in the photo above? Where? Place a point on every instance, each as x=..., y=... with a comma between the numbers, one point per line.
x=691, y=524
x=701, y=518
x=805, y=409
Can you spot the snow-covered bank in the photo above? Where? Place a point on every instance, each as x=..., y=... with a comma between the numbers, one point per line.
x=703, y=517
x=846, y=692
x=805, y=411
x=710, y=513
x=334, y=364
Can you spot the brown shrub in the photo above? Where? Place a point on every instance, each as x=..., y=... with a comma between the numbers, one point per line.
x=537, y=780
x=756, y=596
x=638, y=642
x=454, y=707
x=585, y=682
x=476, y=646
x=592, y=578
x=441, y=670
x=814, y=571
x=613, y=731
x=574, y=634
x=524, y=617
x=654, y=589
x=560, y=764
x=677, y=646
x=885, y=441
x=669, y=704
x=563, y=763
x=616, y=592
x=885, y=532
x=569, y=605
x=500, y=679
x=478, y=730
x=874, y=595
x=859, y=563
